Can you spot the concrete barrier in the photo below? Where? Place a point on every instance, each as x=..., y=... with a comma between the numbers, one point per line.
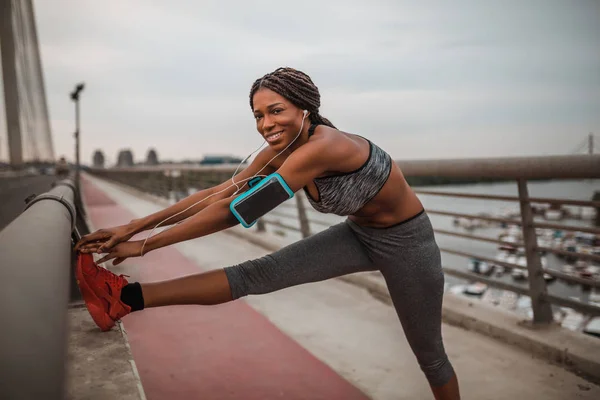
x=34, y=282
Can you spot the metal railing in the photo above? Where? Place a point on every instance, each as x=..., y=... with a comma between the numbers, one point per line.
x=167, y=180
x=35, y=258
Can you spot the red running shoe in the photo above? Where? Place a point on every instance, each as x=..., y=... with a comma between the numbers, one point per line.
x=101, y=291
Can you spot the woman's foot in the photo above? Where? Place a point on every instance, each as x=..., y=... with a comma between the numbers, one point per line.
x=101, y=291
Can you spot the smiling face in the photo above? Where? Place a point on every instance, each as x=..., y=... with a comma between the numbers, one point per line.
x=277, y=119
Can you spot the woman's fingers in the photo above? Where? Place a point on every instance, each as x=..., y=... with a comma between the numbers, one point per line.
x=92, y=244
x=109, y=244
x=91, y=237
x=90, y=247
x=107, y=257
x=99, y=244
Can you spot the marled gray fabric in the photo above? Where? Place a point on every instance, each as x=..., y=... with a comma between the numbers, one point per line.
x=407, y=256
x=345, y=194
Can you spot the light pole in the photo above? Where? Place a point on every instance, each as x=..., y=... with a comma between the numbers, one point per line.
x=75, y=98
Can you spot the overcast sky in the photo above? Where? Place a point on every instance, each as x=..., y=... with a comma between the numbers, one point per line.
x=446, y=79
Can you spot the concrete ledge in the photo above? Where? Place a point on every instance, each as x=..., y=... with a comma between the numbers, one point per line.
x=100, y=364
x=574, y=351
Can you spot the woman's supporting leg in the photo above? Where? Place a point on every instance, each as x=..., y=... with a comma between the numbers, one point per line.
x=417, y=294
x=411, y=265
x=448, y=391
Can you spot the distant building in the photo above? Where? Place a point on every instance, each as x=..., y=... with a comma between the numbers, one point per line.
x=125, y=158
x=98, y=159
x=220, y=159
x=152, y=158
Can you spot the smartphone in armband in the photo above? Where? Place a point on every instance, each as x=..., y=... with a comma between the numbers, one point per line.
x=261, y=198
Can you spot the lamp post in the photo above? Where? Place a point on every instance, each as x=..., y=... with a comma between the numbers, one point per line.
x=75, y=98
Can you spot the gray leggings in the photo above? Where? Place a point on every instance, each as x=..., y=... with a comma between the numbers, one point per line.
x=407, y=256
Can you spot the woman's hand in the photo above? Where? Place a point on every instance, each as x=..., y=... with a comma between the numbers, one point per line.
x=104, y=239
x=122, y=251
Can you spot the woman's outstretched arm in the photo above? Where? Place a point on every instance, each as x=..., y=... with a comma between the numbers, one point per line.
x=106, y=238
x=214, y=218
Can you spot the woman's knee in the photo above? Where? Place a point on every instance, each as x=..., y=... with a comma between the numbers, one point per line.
x=438, y=370
x=256, y=276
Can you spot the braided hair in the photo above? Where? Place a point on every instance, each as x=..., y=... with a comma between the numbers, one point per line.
x=295, y=86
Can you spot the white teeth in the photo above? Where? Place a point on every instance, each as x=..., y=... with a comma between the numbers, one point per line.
x=274, y=137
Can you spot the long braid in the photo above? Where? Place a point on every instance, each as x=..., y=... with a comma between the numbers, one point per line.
x=295, y=86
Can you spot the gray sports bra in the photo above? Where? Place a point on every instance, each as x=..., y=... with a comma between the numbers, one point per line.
x=346, y=193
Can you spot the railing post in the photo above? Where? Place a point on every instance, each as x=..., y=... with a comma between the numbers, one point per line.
x=204, y=180
x=542, y=312
x=597, y=198
x=165, y=184
x=304, y=224
x=185, y=182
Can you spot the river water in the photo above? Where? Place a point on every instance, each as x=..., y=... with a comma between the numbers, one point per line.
x=575, y=190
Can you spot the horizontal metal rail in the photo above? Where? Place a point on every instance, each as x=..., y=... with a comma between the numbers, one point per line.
x=574, y=304
x=280, y=225
x=551, y=272
x=276, y=213
x=586, y=229
x=467, y=195
x=550, y=167
x=487, y=280
x=582, y=256
x=321, y=223
x=479, y=238
x=536, y=224
x=471, y=216
x=483, y=258
x=561, y=301
x=221, y=168
x=547, y=167
x=582, y=203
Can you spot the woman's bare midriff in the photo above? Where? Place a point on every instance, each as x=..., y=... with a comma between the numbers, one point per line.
x=395, y=202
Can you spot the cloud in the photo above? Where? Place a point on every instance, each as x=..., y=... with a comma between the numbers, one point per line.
x=176, y=75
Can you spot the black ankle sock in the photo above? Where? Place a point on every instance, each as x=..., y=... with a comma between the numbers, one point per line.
x=131, y=294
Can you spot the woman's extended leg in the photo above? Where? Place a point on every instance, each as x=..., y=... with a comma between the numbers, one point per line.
x=207, y=288
x=330, y=253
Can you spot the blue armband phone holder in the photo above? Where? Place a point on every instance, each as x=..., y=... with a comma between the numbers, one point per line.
x=263, y=196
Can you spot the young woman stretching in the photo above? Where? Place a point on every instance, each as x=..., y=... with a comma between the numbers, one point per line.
x=386, y=228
